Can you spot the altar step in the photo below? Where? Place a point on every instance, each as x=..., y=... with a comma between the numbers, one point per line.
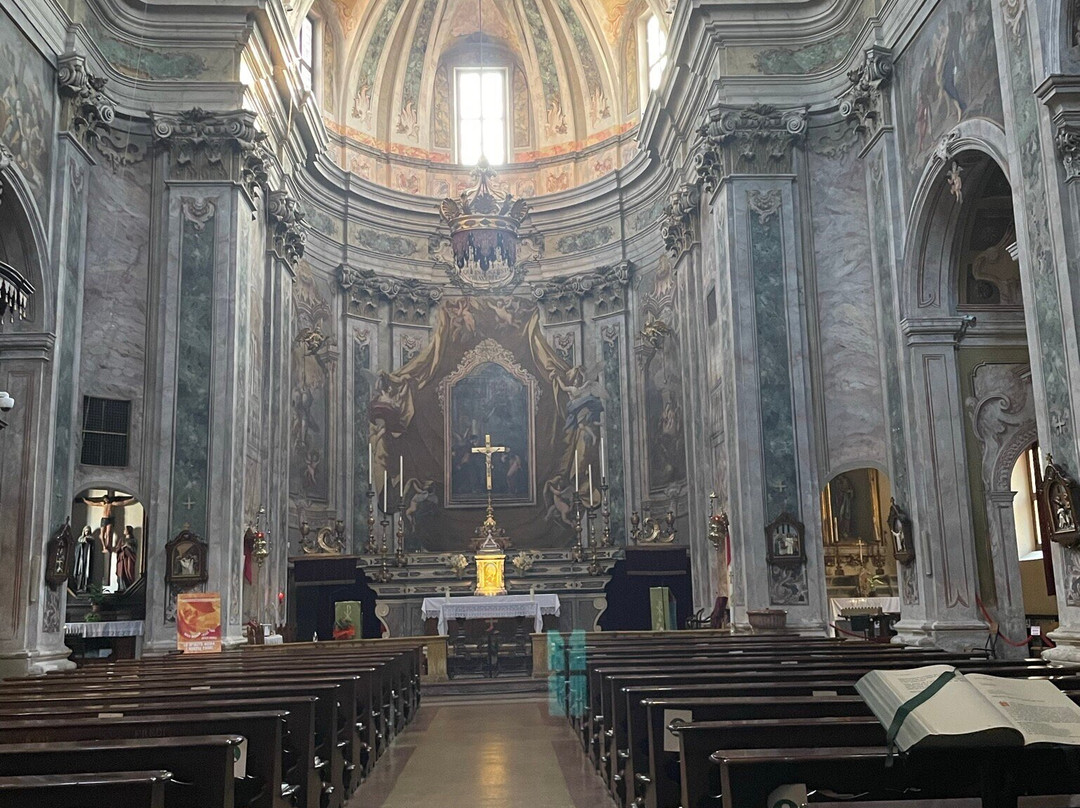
x=500, y=687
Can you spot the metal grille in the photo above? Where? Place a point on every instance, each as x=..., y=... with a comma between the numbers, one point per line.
x=106, y=425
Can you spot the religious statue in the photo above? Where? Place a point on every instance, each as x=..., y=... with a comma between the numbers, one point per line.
x=109, y=544
x=126, y=558
x=843, y=501
x=81, y=567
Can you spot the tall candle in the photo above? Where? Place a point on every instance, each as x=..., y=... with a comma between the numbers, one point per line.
x=370, y=470
x=577, y=483
x=603, y=460
x=860, y=551
x=384, y=490
x=401, y=476
x=590, y=486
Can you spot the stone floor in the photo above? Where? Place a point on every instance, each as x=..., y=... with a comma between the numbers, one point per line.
x=484, y=754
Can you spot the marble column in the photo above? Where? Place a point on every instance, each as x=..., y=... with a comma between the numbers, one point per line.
x=1047, y=207
x=947, y=613
x=211, y=176
x=749, y=165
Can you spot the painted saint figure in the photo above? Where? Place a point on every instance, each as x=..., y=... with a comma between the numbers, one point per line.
x=80, y=569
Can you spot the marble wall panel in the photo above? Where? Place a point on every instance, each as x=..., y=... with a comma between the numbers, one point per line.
x=114, y=319
x=855, y=430
x=195, y=341
x=362, y=393
x=614, y=360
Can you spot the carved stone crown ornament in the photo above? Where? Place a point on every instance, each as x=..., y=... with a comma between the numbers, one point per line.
x=677, y=219
x=864, y=101
x=486, y=251
x=86, y=111
x=759, y=139
x=286, y=219
x=213, y=146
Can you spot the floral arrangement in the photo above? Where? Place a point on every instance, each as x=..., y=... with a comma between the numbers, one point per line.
x=458, y=563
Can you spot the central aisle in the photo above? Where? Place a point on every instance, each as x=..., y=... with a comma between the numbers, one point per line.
x=489, y=754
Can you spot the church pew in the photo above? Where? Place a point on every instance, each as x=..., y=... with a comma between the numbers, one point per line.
x=997, y=776
x=394, y=687
x=627, y=692
x=328, y=761
x=203, y=763
x=696, y=777
x=662, y=786
x=298, y=747
x=600, y=693
x=358, y=708
x=114, y=789
x=605, y=738
x=644, y=707
x=261, y=788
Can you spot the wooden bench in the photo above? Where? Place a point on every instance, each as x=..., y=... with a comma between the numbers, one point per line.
x=114, y=789
x=202, y=766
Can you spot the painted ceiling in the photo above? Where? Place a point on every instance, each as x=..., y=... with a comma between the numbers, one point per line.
x=572, y=67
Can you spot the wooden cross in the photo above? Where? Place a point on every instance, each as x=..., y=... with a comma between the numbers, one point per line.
x=488, y=450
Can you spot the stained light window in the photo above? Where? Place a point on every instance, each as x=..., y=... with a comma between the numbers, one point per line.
x=481, y=115
x=655, y=51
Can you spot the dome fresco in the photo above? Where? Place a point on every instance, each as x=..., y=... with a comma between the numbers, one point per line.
x=571, y=71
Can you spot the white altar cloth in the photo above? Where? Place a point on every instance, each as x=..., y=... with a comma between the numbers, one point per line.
x=491, y=606
x=106, y=628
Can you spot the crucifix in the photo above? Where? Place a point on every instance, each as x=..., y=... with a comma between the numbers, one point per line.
x=109, y=546
x=488, y=450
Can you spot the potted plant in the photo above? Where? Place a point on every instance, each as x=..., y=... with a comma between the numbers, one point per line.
x=95, y=593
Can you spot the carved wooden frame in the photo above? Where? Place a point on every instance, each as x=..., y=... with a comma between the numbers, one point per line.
x=785, y=526
x=59, y=557
x=1059, y=496
x=186, y=544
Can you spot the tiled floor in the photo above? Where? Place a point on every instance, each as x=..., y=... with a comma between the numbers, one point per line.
x=484, y=755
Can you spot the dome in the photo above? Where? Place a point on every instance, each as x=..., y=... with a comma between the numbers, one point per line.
x=390, y=79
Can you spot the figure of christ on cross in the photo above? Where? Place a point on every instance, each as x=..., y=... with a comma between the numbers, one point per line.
x=488, y=451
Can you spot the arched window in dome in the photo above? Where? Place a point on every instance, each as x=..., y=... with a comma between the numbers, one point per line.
x=481, y=103
x=305, y=44
x=655, y=51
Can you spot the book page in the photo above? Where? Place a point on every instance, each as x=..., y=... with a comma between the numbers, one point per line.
x=957, y=709
x=1034, y=706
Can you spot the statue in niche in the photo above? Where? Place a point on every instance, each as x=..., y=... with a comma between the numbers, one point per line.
x=843, y=504
x=126, y=570
x=81, y=569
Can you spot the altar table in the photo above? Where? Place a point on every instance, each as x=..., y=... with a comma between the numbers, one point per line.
x=490, y=607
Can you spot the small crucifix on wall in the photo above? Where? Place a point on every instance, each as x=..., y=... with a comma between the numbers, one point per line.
x=488, y=451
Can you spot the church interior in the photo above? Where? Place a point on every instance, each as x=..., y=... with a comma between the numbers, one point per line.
x=590, y=360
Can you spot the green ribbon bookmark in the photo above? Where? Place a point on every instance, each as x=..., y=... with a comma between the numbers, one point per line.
x=905, y=709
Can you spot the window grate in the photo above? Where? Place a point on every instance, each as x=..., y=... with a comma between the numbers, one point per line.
x=106, y=427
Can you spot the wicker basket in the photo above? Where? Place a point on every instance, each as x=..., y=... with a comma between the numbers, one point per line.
x=767, y=619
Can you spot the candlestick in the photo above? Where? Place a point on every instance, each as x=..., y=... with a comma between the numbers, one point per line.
x=860, y=551
x=401, y=476
x=591, y=503
x=384, y=491
x=370, y=469
x=577, y=483
x=603, y=460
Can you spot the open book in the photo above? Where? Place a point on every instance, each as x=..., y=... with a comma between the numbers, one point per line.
x=939, y=706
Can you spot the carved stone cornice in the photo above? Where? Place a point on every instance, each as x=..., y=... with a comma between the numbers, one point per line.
x=410, y=300
x=285, y=218
x=759, y=139
x=864, y=101
x=86, y=112
x=562, y=298
x=207, y=146
x=677, y=221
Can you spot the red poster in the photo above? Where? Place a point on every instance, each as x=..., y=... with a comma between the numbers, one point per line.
x=198, y=622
